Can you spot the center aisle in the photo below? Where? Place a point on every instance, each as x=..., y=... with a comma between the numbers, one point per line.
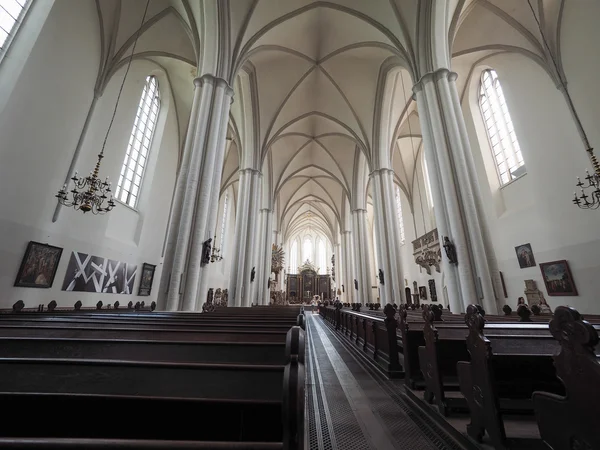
x=350, y=408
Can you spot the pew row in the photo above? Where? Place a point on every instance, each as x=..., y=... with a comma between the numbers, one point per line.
x=261, y=383
x=374, y=336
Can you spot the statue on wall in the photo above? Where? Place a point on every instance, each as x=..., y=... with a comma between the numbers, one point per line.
x=252, y=274
x=209, y=306
x=225, y=297
x=355, y=284
x=206, y=247
x=381, y=277
x=450, y=250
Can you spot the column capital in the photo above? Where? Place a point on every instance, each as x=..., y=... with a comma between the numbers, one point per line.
x=213, y=80
x=265, y=210
x=359, y=210
x=251, y=171
x=380, y=171
x=434, y=76
x=346, y=232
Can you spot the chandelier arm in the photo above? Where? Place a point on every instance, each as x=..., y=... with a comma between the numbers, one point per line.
x=563, y=84
x=137, y=35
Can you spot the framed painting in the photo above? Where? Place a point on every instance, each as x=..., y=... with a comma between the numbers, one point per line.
x=38, y=266
x=525, y=256
x=423, y=292
x=558, y=279
x=147, y=279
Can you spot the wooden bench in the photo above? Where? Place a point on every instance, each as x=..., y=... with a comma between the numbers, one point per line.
x=146, y=376
x=374, y=336
x=571, y=421
x=501, y=376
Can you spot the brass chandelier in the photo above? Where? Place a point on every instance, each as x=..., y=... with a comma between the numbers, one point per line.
x=90, y=193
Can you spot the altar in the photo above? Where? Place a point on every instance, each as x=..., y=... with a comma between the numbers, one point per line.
x=301, y=287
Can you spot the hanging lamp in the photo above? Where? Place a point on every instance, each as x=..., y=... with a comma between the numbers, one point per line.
x=90, y=193
x=589, y=198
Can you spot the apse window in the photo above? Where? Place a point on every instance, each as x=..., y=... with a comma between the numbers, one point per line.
x=12, y=13
x=399, y=214
x=293, y=257
x=322, y=257
x=136, y=157
x=500, y=130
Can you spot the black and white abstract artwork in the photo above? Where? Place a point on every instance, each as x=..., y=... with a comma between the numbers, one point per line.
x=88, y=273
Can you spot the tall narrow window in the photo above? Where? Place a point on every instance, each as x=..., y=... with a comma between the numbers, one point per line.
x=224, y=222
x=427, y=183
x=307, y=249
x=12, y=13
x=132, y=172
x=500, y=130
x=321, y=249
x=294, y=257
x=399, y=213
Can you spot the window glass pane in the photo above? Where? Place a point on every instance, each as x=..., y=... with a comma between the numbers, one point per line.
x=321, y=249
x=224, y=222
x=307, y=250
x=499, y=126
x=139, y=143
x=11, y=16
x=399, y=214
x=294, y=257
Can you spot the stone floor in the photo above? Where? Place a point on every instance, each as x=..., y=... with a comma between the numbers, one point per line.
x=350, y=406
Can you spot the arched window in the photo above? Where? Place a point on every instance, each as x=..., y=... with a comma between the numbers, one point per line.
x=321, y=249
x=12, y=13
x=224, y=222
x=399, y=213
x=132, y=172
x=500, y=130
x=294, y=257
x=307, y=249
x=427, y=183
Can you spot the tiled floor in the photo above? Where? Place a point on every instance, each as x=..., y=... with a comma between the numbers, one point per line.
x=351, y=408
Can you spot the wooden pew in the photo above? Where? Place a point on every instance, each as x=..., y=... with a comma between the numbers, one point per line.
x=502, y=378
x=571, y=421
x=374, y=336
x=247, y=395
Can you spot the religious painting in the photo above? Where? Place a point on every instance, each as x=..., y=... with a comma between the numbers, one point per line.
x=38, y=266
x=88, y=273
x=525, y=256
x=423, y=292
x=557, y=278
x=432, y=290
x=147, y=278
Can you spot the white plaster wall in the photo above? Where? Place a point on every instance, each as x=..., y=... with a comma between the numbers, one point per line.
x=40, y=126
x=537, y=208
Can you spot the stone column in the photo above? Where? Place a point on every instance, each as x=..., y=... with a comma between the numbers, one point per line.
x=240, y=289
x=348, y=266
x=361, y=248
x=339, y=268
x=209, y=187
x=213, y=219
x=178, y=234
x=263, y=268
x=388, y=236
x=457, y=213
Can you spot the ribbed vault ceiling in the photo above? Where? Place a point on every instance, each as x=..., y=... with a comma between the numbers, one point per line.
x=321, y=86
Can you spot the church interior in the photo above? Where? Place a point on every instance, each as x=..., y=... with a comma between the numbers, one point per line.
x=300, y=224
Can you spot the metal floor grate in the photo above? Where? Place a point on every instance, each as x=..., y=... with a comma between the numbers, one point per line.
x=331, y=420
